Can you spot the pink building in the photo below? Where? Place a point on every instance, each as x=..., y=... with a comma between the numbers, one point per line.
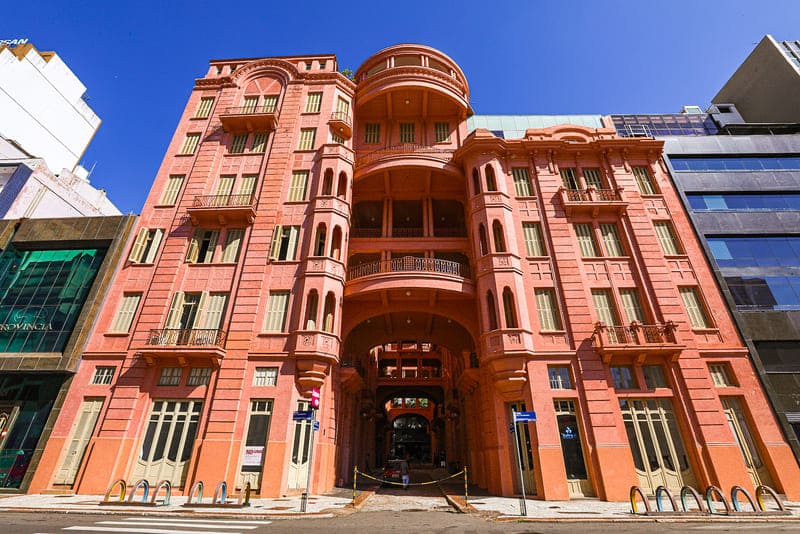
x=306, y=230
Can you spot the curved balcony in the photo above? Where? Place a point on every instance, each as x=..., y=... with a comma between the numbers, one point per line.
x=592, y=201
x=636, y=339
x=222, y=209
x=184, y=343
x=407, y=272
x=341, y=124
x=410, y=154
x=249, y=119
x=316, y=344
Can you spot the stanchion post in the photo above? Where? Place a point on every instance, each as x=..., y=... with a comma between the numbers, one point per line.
x=355, y=478
x=466, y=487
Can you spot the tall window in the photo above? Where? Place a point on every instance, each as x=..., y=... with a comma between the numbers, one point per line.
x=307, y=136
x=491, y=308
x=284, y=243
x=328, y=312
x=314, y=102
x=146, y=245
x=491, y=183
x=259, y=142
x=586, y=240
x=593, y=178
x=277, y=306
x=312, y=301
x=476, y=182
x=533, y=239
x=204, y=109
x=407, y=132
x=569, y=179
x=202, y=245
x=127, y=309
x=319, y=242
x=270, y=103
x=604, y=306
x=174, y=185
x=666, y=237
x=643, y=181
x=509, y=309
x=237, y=143
x=297, y=188
x=499, y=237
x=611, y=240
x=522, y=182
x=483, y=240
x=250, y=104
x=549, y=318
x=372, y=133
x=631, y=305
x=442, y=132
x=190, y=143
x=247, y=185
x=233, y=241
x=694, y=307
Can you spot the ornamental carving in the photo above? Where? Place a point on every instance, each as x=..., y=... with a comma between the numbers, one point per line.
x=308, y=340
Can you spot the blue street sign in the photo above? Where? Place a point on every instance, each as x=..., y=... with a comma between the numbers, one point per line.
x=524, y=417
x=315, y=425
x=302, y=415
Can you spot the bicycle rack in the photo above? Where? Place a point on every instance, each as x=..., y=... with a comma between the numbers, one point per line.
x=219, y=500
x=131, y=500
x=709, y=497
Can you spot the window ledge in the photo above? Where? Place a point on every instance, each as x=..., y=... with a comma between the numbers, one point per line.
x=116, y=334
x=184, y=155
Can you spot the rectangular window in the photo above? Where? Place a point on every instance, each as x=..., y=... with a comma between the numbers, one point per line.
x=322, y=64
x=533, y=239
x=265, y=376
x=170, y=376
x=297, y=188
x=213, y=314
x=284, y=243
x=654, y=376
x=190, y=143
x=604, y=306
x=669, y=244
x=586, y=240
x=337, y=139
x=277, y=306
x=623, y=377
x=259, y=142
x=407, y=132
x=611, y=240
x=127, y=309
x=549, y=318
x=632, y=306
x=174, y=184
x=307, y=136
x=201, y=248
x=225, y=187
x=146, y=245
x=694, y=307
x=270, y=103
x=643, y=181
x=199, y=376
x=204, y=109
x=720, y=375
x=522, y=182
x=343, y=108
x=442, y=130
x=250, y=104
x=247, y=185
x=372, y=133
x=559, y=377
x=237, y=143
x=314, y=102
x=103, y=375
x=593, y=178
x=569, y=179
x=233, y=242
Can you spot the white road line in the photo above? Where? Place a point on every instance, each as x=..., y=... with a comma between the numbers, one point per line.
x=181, y=520
x=138, y=530
x=167, y=523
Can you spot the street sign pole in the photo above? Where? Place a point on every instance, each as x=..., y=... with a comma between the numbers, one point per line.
x=315, y=397
x=523, y=509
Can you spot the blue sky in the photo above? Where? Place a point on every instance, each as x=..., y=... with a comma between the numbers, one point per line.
x=139, y=59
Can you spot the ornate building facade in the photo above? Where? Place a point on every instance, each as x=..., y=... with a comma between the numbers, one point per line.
x=307, y=231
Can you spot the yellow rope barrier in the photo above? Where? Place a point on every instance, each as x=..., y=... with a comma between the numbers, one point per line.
x=410, y=483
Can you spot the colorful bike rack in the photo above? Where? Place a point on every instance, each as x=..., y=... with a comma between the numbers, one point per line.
x=220, y=499
x=120, y=499
x=713, y=497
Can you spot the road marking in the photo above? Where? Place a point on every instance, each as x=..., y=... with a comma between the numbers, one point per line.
x=181, y=520
x=137, y=530
x=168, y=523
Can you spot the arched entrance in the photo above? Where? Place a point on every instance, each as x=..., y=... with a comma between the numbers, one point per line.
x=411, y=438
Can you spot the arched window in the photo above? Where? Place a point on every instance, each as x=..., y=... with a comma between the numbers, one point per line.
x=341, y=190
x=508, y=308
x=311, y=310
x=330, y=306
x=499, y=237
x=491, y=310
x=327, y=182
x=336, y=243
x=491, y=184
x=484, y=241
x=319, y=243
x=476, y=182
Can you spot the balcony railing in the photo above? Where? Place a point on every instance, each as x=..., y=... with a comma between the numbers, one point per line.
x=222, y=201
x=635, y=334
x=592, y=195
x=410, y=232
x=593, y=201
x=250, y=110
x=341, y=116
x=198, y=337
x=249, y=118
x=414, y=231
x=409, y=264
x=441, y=154
x=365, y=232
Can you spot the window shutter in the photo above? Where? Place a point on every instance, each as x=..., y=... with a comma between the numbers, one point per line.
x=216, y=308
x=270, y=103
x=212, y=245
x=631, y=305
x=247, y=184
x=604, y=307
x=291, y=250
x=275, y=248
x=127, y=309
x=194, y=246
x=225, y=185
x=174, y=316
x=592, y=178
x=138, y=246
x=522, y=182
x=151, y=253
x=232, y=243
x=586, y=240
x=533, y=239
x=171, y=191
x=611, y=240
x=568, y=178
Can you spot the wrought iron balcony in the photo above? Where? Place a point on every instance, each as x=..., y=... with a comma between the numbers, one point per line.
x=222, y=209
x=249, y=118
x=341, y=124
x=592, y=200
x=200, y=337
x=636, y=338
x=406, y=149
x=409, y=264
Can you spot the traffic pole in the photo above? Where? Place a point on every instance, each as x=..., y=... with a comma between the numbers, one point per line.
x=466, y=487
x=304, y=497
x=523, y=509
x=355, y=478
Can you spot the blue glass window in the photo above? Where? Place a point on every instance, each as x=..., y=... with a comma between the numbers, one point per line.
x=745, y=201
x=743, y=163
